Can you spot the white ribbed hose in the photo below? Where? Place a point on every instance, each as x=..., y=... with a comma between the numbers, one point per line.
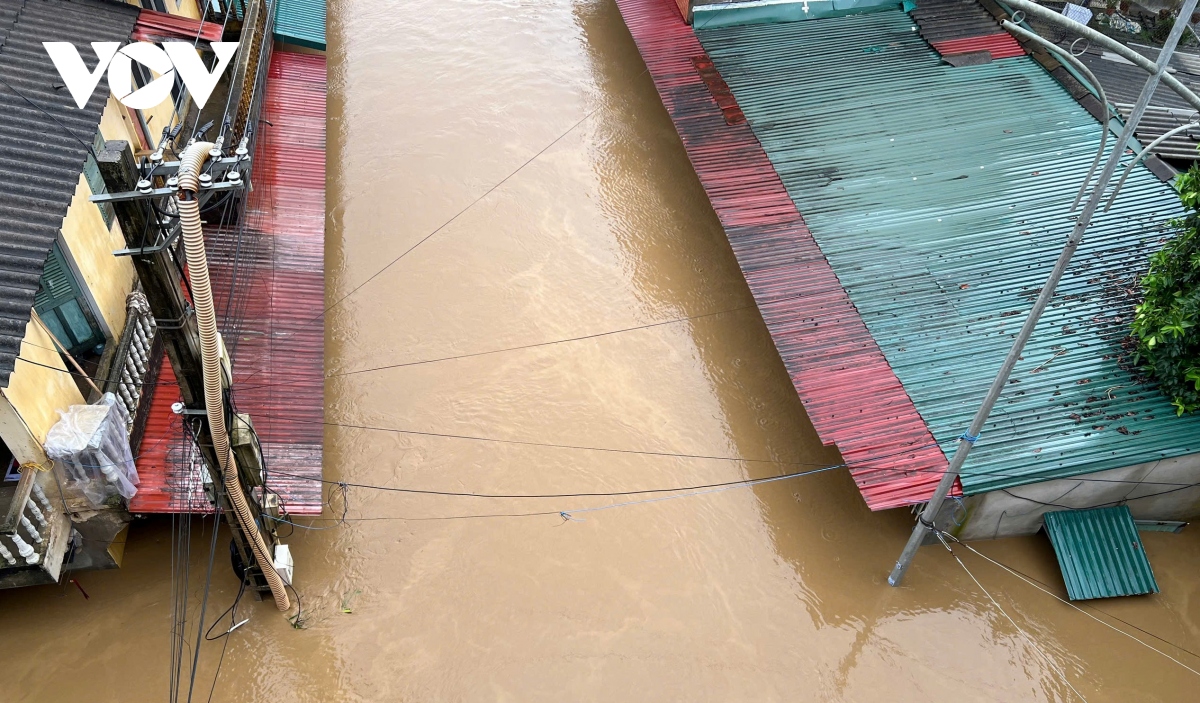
x=206, y=317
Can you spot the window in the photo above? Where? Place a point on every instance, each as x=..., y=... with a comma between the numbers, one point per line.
x=8, y=465
x=60, y=304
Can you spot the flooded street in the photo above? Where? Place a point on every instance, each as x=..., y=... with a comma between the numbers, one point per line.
x=771, y=593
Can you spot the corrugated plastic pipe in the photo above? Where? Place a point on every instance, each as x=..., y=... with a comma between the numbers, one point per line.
x=206, y=317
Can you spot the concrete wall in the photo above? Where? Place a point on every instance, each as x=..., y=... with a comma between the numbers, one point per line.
x=1019, y=511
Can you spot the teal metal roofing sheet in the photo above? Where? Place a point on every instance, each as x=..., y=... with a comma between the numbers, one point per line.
x=1100, y=553
x=940, y=196
x=301, y=22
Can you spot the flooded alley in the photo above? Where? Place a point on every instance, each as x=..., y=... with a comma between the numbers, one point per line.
x=517, y=158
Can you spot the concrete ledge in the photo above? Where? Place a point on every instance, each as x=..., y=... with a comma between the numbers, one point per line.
x=1155, y=490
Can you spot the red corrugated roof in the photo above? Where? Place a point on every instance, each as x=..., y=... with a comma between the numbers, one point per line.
x=154, y=26
x=851, y=394
x=277, y=346
x=1000, y=46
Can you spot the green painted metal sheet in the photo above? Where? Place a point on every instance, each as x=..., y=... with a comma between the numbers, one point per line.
x=940, y=196
x=1172, y=526
x=1100, y=553
x=740, y=12
x=301, y=22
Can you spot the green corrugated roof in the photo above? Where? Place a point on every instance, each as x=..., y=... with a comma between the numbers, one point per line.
x=738, y=12
x=940, y=196
x=301, y=22
x=1100, y=553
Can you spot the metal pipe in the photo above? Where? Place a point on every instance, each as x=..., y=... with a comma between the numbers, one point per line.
x=214, y=395
x=1143, y=154
x=1097, y=89
x=1113, y=45
x=968, y=439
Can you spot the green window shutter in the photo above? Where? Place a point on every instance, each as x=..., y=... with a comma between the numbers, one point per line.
x=58, y=285
x=59, y=303
x=91, y=171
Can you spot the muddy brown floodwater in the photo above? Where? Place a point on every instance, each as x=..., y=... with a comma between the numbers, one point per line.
x=775, y=593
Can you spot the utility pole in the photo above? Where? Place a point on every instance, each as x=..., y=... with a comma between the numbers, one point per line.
x=925, y=523
x=152, y=240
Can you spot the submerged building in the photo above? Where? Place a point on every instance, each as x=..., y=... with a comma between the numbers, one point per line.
x=76, y=327
x=896, y=182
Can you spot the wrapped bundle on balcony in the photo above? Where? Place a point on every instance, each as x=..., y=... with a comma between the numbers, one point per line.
x=91, y=444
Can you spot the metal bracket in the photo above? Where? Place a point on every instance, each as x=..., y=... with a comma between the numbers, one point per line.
x=161, y=192
x=176, y=323
x=151, y=250
x=214, y=166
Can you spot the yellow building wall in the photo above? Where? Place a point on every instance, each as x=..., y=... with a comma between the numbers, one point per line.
x=160, y=116
x=187, y=8
x=109, y=278
x=36, y=392
x=116, y=123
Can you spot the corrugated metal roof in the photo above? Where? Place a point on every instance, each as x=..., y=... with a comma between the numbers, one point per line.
x=940, y=20
x=743, y=12
x=1157, y=121
x=1122, y=83
x=40, y=160
x=275, y=343
x=962, y=27
x=301, y=22
x=1000, y=46
x=1100, y=553
x=940, y=196
x=155, y=26
x=848, y=390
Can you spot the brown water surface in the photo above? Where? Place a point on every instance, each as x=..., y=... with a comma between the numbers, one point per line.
x=774, y=593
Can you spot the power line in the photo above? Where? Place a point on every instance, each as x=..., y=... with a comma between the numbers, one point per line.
x=544, y=344
x=1121, y=501
x=1041, y=586
x=603, y=494
x=1036, y=647
x=460, y=213
x=553, y=445
x=93, y=378
x=778, y=462
x=568, y=515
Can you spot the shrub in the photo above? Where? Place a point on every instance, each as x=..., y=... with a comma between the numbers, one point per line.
x=1168, y=340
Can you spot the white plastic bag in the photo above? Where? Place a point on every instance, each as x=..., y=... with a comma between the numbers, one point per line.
x=90, y=442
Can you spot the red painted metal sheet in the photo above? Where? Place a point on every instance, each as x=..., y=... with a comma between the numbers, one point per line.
x=268, y=285
x=851, y=394
x=154, y=26
x=719, y=89
x=1000, y=46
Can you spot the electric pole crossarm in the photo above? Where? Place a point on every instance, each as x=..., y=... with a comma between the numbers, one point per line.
x=967, y=441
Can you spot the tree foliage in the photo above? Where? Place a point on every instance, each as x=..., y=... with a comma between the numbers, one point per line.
x=1165, y=325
